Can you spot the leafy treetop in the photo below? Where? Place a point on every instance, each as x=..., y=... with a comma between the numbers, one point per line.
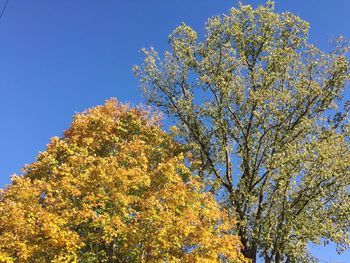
x=113, y=189
x=258, y=105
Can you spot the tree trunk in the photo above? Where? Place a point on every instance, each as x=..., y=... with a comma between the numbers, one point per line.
x=249, y=251
x=278, y=257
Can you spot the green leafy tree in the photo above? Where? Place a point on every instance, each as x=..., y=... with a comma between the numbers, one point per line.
x=257, y=103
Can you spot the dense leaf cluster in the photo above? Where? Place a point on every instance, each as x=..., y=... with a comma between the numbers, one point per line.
x=114, y=189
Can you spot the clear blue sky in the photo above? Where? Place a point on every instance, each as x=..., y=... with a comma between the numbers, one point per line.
x=61, y=57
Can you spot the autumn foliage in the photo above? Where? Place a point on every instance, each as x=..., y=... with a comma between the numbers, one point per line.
x=115, y=188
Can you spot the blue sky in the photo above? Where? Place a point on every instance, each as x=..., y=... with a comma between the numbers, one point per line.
x=61, y=57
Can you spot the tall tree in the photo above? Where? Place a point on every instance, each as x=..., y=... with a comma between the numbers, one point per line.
x=113, y=189
x=257, y=104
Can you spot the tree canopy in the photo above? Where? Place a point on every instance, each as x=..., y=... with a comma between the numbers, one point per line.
x=114, y=188
x=263, y=112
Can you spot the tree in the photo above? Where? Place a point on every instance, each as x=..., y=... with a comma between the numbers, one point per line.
x=114, y=189
x=257, y=104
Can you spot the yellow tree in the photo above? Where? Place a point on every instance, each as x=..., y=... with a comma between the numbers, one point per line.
x=115, y=188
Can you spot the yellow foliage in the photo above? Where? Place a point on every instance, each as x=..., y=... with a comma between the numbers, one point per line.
x=114, y=189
